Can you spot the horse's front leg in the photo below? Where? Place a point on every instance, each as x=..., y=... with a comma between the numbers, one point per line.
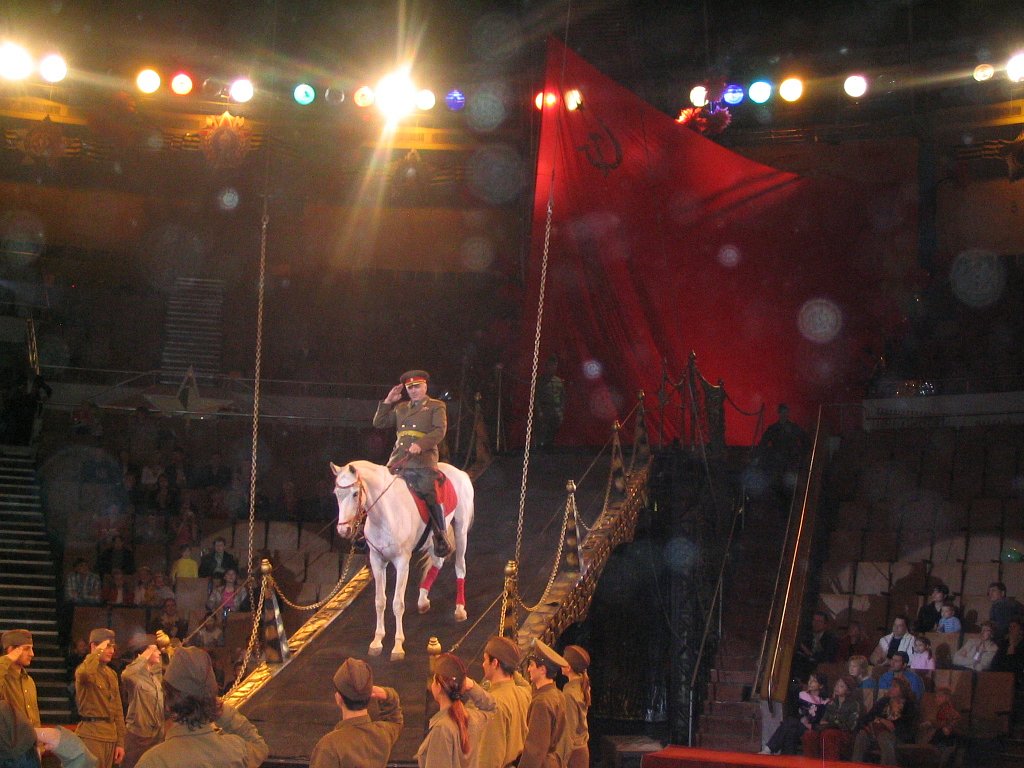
x=380, y=581
x=429, y=576
x=398, y=606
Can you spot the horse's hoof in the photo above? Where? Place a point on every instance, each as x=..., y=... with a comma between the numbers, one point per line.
x=375, y=651
x=397, y=655
x=423, y=606
x=460, y=613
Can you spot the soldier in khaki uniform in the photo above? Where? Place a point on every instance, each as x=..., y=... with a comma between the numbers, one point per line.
x=421, y=424
x=545, y=722
x=15, y=684
x=575, y=745
x=502, y=741
x=99, y=701
x=143, y=686
x=371, y=721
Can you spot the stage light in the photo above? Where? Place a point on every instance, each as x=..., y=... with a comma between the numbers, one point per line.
x=1015, y=68
x=733, y=95
x=760, y=91
x=148, y=81
x=699, y=96
x=396, y=95
x=242, y=90
x=455, y=100
x=53, y=68
x=181, y=84
x=425, y=100
x=791, y=89
x=573, y=100
x=984, y=72
x=15, y=62
x=334, y=95
x=543, y=99
x=304, y=94
x=855, y=86
x=364, y=96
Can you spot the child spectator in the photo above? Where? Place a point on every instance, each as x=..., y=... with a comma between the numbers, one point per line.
x=118, y=591
x=161, y=591
x=211, y=633
x=185, y=567
x=229, y=596
x=187, y=529
x=949, y=623
x=921, y=659
x=810, y=708
x=944, y=738
x=860, y=671
x=144, y=586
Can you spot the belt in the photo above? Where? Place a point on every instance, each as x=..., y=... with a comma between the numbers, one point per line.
x=411, y=433
x=88, y=719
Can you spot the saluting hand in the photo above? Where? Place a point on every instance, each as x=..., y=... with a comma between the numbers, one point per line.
x=395, y=394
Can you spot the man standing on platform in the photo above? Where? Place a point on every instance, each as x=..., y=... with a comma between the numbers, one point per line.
x=98, y=695
x=421, y=424
x=371, y=721
x=15, y=684
x=545, y=721
x=503, y=738
x=144, y=692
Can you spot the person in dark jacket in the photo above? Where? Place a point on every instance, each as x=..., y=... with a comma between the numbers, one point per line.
x=891, y=722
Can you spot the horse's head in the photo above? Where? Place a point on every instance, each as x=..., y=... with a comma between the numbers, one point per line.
x=351, y=495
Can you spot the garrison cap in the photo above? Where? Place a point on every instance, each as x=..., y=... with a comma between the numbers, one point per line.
x=100, y=634
x=191, y=672
x=504, y=650
x=578, y=658
x=354, y=680
x=415, y=377
x=14, y=638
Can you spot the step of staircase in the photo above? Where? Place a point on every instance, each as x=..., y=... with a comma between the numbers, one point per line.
x=193, y=330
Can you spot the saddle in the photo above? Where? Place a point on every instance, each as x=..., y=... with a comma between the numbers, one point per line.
x=446, y=497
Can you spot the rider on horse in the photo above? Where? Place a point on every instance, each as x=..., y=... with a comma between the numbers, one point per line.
x=421, y=424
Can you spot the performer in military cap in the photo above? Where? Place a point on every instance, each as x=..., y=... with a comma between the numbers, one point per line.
x=421, y=424
x=15, y=684
x=99, y=701
x=545, y=721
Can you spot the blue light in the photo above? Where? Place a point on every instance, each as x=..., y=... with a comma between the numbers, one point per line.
x=455, y=99
x=733, y=95
x=760, y=91
x=304, y=94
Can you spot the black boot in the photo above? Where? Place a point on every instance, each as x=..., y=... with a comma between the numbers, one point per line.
x=441, y=546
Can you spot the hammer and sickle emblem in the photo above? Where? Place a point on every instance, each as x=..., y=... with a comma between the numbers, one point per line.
x=595, y=148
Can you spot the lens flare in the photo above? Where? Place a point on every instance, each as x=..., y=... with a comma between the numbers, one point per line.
x=242, y=90
x=984, y=72
x=53, y=68
x=15, y=62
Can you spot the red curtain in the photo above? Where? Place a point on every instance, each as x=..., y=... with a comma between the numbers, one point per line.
x=663, y=242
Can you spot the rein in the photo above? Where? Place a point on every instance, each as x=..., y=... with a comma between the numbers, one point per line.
x=363, y=511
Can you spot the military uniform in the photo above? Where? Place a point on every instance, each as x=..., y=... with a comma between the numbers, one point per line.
x=545, y=726
x=20, y=690
x=144, y=723
x=362, y=742
x=442, y=747
x=231, y=742
x=503, y=738
x=575, y=743
x=98, y=696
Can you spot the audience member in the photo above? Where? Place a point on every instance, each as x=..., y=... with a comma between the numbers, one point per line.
x=164, y=499
x=228, y=596
x=115, y=556
x=211, y=633
x=944, y=736
x=364, y=737
x=899, y=639
x=832, y=737
x=142, y=681
x=818, y=646
x=82, y=586
x=545, y=720
x=781, y=451
x=979, y=652
x=811, y=703
x=502, y=741
x=575, y=747
x=193, y=708
x=859, y=669
x=453, y=734
x=169, y=620
x=1010, y=656
x=98, y=696
x=854, y=643
x=899, y=668
x=218, y=473
x=186, y=530
x=1003, y=609
x=161, y=591
x=890, y=722
x=949, y=623
x=177, y=471
x=185, y=567
x=150, y=474
x=144, y=586
x=921, y=659
x=928, y=616
x=117, y=590
x=215, y=563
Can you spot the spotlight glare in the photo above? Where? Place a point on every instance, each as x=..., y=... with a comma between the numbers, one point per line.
x=425, y=100
x=304, y=94
x=53, y=68
x=791, y=89
x=364, y=96
x=984, y=72
x=242, y=90
x=1015, y=68
x=181, y=84
x=396, y=96
x=15, y=62
x=455, y=100
x=545, y=99
x=148, y=81
x=335, y=95
x=733, y=94
x=855, y=86
x=699, y=96
x=573, y=100
x=760, y=91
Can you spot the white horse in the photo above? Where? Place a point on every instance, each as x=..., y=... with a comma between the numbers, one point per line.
x=380, y=504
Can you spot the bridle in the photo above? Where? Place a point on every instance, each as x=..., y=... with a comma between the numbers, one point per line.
x=358, y=521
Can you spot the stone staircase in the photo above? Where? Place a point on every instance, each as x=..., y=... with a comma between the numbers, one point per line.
x=28, y=579
x=193, y=330
x=731, y=719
